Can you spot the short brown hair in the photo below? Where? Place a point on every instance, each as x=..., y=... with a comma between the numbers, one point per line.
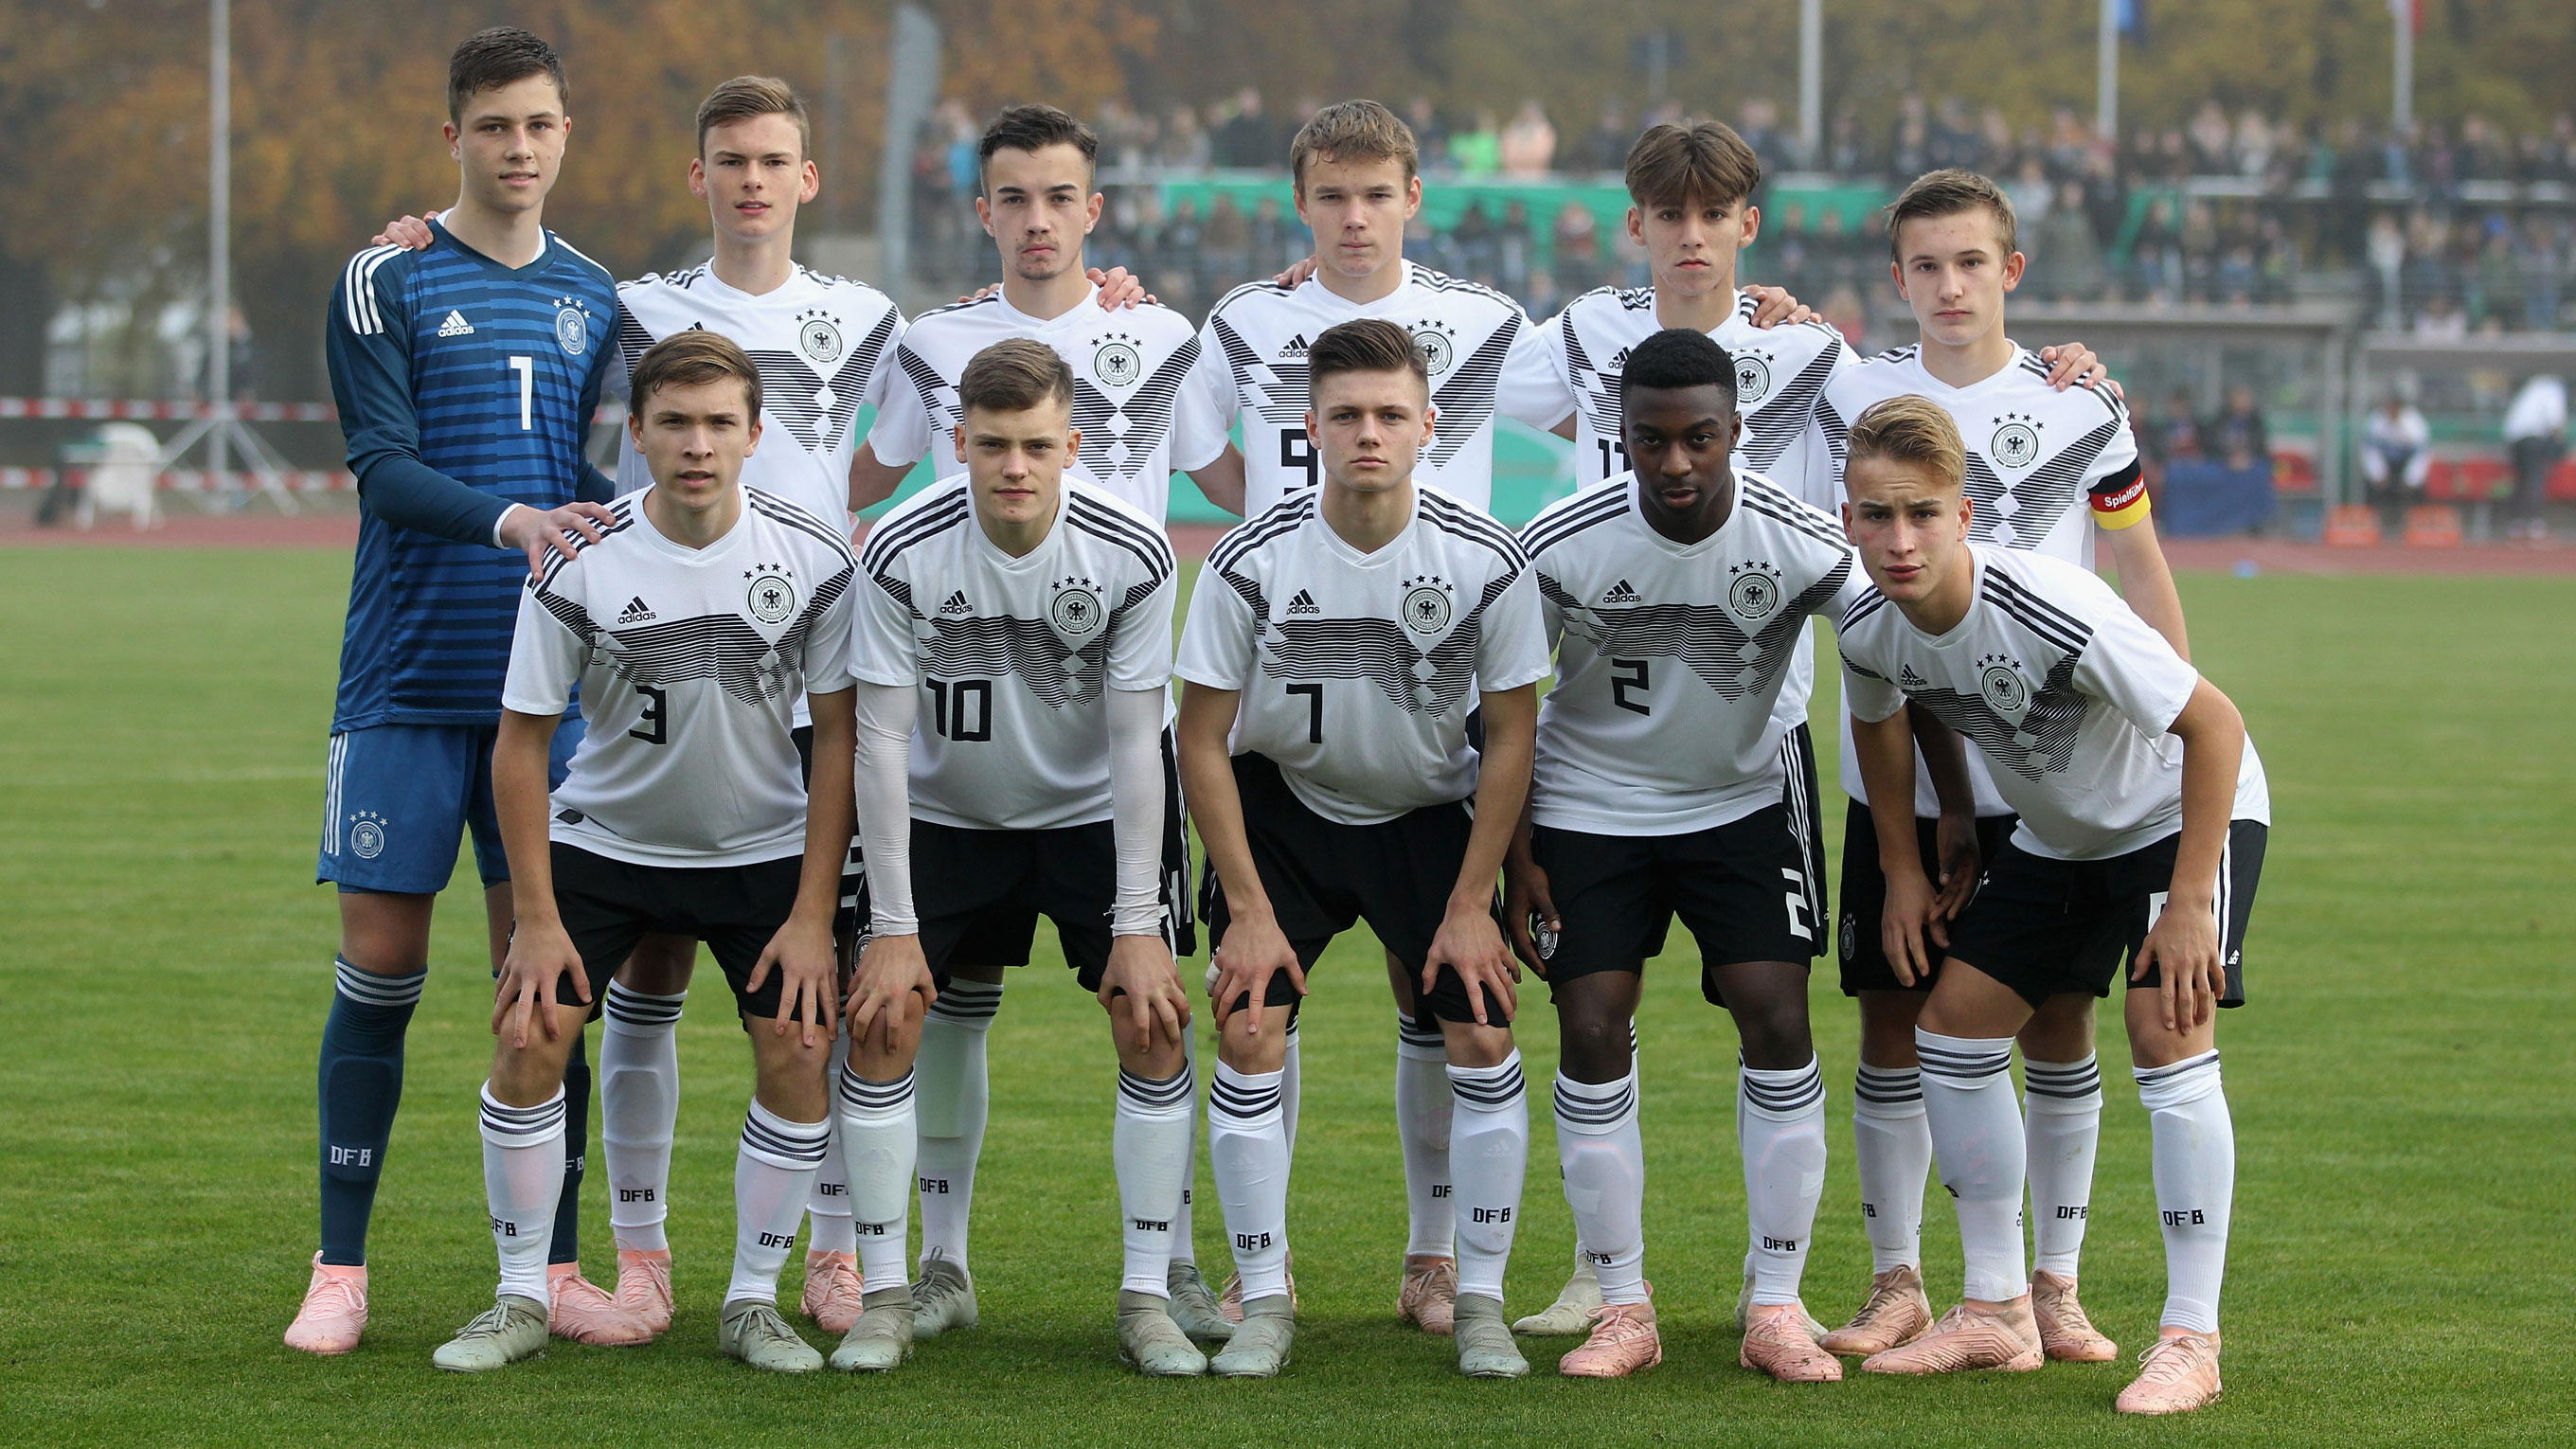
x=1947, y=193
x=1704, y=161
x=1013, y=376
x=1371, y=344
x=1909, y=429
x=496, y=57
x=1353, y=131
x=689, y=359
x=747, y=97
x=1032, y=129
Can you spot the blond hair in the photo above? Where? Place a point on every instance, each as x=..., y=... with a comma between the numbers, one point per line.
x=1947, y=193
x=1909, y=429
x=1353, y=131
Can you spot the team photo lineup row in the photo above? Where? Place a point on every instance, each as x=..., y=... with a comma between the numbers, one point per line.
x=626, y=690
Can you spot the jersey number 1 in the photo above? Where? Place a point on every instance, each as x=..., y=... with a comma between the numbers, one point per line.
x=526, y=368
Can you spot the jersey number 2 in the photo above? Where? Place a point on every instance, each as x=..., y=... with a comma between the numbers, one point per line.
x=526, y=368
x=1620, y=684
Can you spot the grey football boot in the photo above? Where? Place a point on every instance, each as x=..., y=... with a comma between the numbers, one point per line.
x=755, y=1332
x=1259, y=1348
x=882, y=1338
x=513, y=1328
x=943, y=1298
x=1150, y=1340
x=1485, y=1347
x=1194, y=1305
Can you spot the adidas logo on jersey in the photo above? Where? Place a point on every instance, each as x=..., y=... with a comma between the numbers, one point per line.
x=1296, y=346
x=1619, y=360
x=636, y=612
x=1621, y=592
x=957, y=604
x=455, y=326
x=1303, y=603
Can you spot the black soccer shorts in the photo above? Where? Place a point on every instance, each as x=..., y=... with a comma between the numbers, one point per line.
x=1864, y=960
x=982, y=886
x=1740, y=889
x=608, y=905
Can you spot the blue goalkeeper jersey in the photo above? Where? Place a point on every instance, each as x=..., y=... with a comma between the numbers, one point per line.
x=445, y=360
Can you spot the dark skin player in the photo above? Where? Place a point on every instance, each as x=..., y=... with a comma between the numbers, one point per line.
x=1680, y=441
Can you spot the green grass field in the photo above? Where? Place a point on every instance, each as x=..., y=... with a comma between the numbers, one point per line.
x=2401, y=1085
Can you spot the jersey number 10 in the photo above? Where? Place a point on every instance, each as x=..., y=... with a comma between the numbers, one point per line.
x=962, y=710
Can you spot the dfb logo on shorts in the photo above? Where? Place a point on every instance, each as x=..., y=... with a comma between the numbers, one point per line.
x=366, y=835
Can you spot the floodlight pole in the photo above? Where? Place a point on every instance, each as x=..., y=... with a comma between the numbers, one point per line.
x=219, y=240
x=1811, y=82
x=2402, y=106
x=2106, y=62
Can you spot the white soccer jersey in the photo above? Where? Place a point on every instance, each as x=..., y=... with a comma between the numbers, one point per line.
x=1358, y=671
x=2065, y=692
x=1139, y=421
x=1014, y=656
x=1780, y=372
x=1674, y=678
x=2038, y=460
x=1484, y=358
x=821, y=345
x=689, y=662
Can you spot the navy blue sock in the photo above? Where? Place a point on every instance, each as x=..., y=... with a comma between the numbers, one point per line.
x=360, y=1086
x=576, y=1142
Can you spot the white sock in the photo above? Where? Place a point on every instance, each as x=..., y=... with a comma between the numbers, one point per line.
x=1976, y=1139
x=773, y=1174
x=2062, y=1122
x=881, y=1138
x=1603, y=1160
x=523, y=1173
x=1491, y=1140
x=1892, y=1145
x=1182, y=1251
x=954, y=1102
x=639, y=1110
x=1291, y=1088
x=1150, y=1145
x=1248, y=1147
x=1422, y=1125
x=2195, y=1157
x=1780, y=1131
x=829, y=1208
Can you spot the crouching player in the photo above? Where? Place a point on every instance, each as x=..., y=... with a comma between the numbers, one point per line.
x=691, y=627
x=2143, y=813
x=1014, y=658
x=1337, y=645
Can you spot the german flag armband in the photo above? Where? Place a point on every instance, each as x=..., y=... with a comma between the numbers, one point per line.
x=2121, y=499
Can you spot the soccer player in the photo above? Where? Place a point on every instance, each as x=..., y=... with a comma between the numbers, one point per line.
x=2143, y=816
x=1332, y=647
x=1669, y=781
x=2047, y=469
x=1139, y=423
x=465, y=375
x=1014, y=657
x=690, y=628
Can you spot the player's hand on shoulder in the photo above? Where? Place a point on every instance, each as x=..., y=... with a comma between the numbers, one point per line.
x=405, y=231
x=1773, y=305
x=1469, y=943
x=809, y=975
x=1141, y=971
x=541, y=953
x=2072, y=362
x=538, y=532
x=1253, y=951
x=2183, y=947
x=888, y=968
x=1527, y=899
x=1119, y=288
x=1296, y=275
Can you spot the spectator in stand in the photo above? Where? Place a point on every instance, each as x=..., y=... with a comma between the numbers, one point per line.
x=1185, y=142
x=2173, y=436
x=1844, y=312
x=2535, y=437
x=1519, y=249
x=2386, y=253
x=2537, y=256
x=2442, y=320
x=1479, y=253
x=2069, y=260
x=1761, y=131
x=2211, y=143
x=2237, y=435
x=1528, y=145
x=1276, y=243
x=1246, y=138
x=1606, y=149
x=1909, y=145
x=2030, y=190
x=1478, y=150
x=1578, y=250
x=2396, y=453
x=1843, y=155
x=2155, y=255
x=2495, y=281
x=2257, y=142
x=1225, y=244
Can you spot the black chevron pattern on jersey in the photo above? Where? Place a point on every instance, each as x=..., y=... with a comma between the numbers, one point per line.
x=1466, y=401
x=790, y=388
x=1780, y=418
x=1148, y=411
x=989, y=648
x=1707, y=638
x=1279, y=389
x=1281, y=519
x=934, y=389
x=720, y=647
x=2039, y=499
x=1382, y=652
x=1600, y=393
x=632, y=340
x=2041, y=742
